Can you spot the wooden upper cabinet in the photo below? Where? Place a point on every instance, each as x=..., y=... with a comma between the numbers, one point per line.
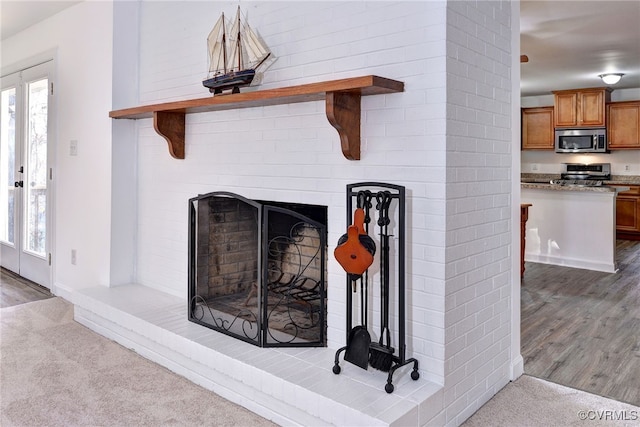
x=566, y=109
x=623, y=125
x=537, y=128
x=581, y=107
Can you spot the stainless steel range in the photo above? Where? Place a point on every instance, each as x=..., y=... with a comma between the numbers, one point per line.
x=584, y=175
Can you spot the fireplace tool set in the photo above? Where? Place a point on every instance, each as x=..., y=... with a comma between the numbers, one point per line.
x=355, y=252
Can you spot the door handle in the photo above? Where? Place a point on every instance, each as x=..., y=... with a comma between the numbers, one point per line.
x=19, y=184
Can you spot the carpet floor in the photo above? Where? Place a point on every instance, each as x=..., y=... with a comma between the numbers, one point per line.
x=56, y=372
x=530, y=401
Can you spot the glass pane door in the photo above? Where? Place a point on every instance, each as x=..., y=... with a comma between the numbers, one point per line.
x=7, y=164
x=26, y=147
x=35, y=182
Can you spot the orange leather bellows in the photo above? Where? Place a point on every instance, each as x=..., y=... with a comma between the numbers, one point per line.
x=355, y=249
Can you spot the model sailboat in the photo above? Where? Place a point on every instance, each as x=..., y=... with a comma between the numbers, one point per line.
x=234, y=55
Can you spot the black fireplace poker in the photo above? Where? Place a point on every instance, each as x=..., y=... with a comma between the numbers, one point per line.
x=380, y=355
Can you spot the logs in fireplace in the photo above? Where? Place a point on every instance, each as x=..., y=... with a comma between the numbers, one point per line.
x=257, y=269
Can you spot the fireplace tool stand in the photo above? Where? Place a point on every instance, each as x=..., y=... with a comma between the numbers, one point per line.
x=381, y=355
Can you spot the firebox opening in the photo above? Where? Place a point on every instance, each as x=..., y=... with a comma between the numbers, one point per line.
x=258, y=268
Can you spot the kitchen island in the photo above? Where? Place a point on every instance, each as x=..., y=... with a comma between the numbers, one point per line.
x=572, y=226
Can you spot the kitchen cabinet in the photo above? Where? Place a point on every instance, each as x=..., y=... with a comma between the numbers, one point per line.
x=628, y=213
x=623, y=125
x=537, y=128
x=581, y=107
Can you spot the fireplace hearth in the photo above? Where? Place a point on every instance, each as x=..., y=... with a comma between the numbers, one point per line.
x=257, y=269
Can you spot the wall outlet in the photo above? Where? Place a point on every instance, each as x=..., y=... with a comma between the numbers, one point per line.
x=535, y=167
x=73, y=147
x=73, y=256
x=627, y=168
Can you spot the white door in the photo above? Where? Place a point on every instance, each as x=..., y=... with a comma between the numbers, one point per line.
x=25, y=163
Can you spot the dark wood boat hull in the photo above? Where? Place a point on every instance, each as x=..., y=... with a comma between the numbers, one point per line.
x=232, y=80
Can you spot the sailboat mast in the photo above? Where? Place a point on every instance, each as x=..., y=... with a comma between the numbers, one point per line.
x=224, y=44
x=239, y=43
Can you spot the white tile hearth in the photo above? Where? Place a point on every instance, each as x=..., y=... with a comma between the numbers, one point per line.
x=290, y=386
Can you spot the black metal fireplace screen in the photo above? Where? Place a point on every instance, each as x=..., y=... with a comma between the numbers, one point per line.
x=257, y=269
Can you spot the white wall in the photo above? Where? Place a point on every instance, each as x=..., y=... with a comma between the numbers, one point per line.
x=126, y=19
x=551, y=163
x=80, y=39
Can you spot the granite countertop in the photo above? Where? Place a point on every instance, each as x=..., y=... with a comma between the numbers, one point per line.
x=623, y=180
x=547, y=177
x=547, y=186
x=542, y=181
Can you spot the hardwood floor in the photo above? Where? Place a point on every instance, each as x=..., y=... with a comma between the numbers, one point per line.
x=15, y=290
x=581, y=328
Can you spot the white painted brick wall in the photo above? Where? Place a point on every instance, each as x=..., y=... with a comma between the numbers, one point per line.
x=446, y=138
x=290, y=152
x=478, y=289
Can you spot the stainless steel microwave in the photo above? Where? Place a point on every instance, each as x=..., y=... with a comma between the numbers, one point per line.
x=592, y=140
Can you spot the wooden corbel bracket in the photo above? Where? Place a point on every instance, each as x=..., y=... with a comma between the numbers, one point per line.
x=170, y=125
x=343, y=112
x=342, y=97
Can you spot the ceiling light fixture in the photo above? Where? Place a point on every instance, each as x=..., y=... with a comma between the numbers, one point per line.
x=611, y=78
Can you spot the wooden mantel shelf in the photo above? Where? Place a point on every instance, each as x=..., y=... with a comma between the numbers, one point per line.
x=342, y=107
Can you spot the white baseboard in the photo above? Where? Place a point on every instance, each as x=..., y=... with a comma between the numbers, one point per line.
x=574, y=263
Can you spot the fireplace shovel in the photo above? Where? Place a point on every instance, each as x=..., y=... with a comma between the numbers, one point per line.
x=359, y=341
x=358, y=347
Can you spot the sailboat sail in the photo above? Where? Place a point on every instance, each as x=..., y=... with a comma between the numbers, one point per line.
x=235, y=53
x=217, y=45
x=256, y=51
x=235, y=39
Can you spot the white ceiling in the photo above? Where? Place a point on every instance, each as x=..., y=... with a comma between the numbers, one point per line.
x=568, y=42
x=16, y=16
